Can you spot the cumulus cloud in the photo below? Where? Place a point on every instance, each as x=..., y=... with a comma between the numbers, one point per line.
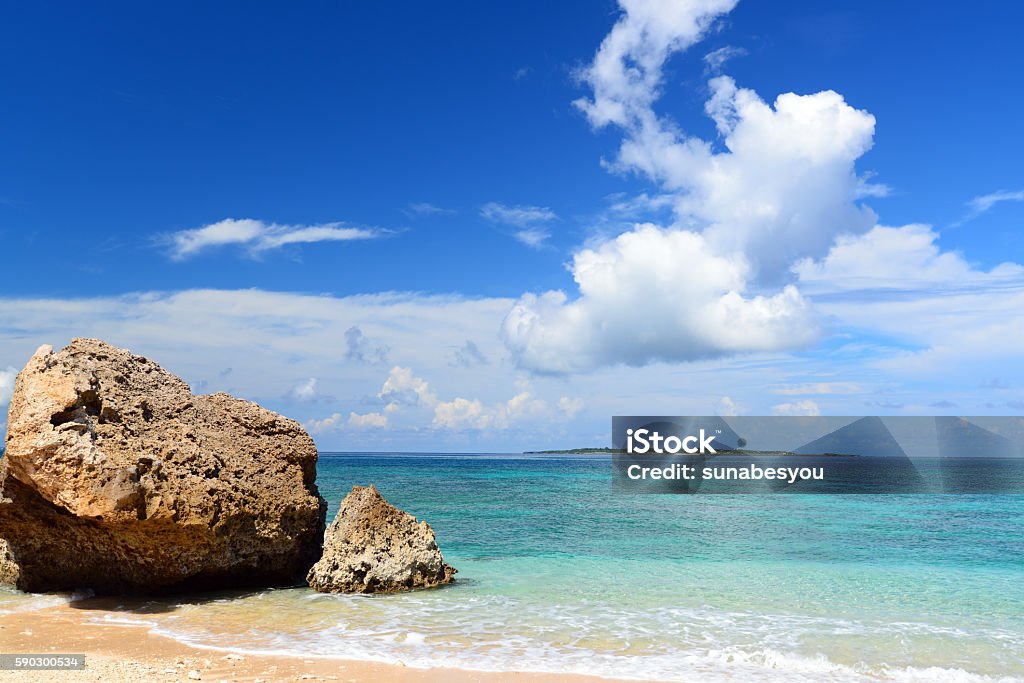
x=257, y=236
x=403, y=388
x=367, y=420
x=463, y=413
x=653, y=294
x=362, y=349
x=304, y=391
x=332, y=422
x=337, y=421
x=719, y=279
x=806, y=407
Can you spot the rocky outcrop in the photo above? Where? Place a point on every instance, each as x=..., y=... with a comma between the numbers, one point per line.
x=117, y=478
x=373, y=547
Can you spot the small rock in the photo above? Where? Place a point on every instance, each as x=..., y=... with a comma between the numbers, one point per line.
x=373, y=547
x=194, y=675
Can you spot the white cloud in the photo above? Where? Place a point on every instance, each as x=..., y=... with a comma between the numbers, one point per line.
x=327, y=424
x=805, y=407
x=785, y=184
x=904, y=258
x=7, y=378
x=716, y=59
x=653, y=294
x=463, y=413
x=785, y=187
x=640, y=205
x=519, y=216
x=626, y=73
x=819, y=388
x=571, y=407
x=6, y=390
x=717, y=281
x=403, y=388
x=986, y=202
x=367, y=421
x=194, y=334
x=428, y=209
x=897, y=282
x=257, y=236
x=726, y=407
x=304, y=391
x=529, y=219
x=532, y=237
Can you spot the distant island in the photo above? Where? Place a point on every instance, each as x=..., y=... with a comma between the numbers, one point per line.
x=601, y=450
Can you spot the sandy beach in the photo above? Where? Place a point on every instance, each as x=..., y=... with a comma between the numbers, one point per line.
x=132, y=653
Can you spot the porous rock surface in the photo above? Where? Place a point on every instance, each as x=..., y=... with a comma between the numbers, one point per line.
x=117, y=478
x=373, y=547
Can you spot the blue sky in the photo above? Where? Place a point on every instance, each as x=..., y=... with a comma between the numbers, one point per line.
x=404, y=180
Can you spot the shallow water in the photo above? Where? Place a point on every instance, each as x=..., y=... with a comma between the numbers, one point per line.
x=557, y=573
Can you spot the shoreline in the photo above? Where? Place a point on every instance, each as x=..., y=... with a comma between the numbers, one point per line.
x=127, y=653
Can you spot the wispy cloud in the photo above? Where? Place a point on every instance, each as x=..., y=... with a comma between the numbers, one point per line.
x=427, y=209
x=257, y=236
x=806, y=407
x=980, y=205
x=716, y=59
x=521, y=216
x=531, y=221
x=819, y=388
x=532, y=237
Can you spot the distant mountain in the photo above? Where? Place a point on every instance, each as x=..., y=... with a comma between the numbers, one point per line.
x=959, y=438
x=867, y=436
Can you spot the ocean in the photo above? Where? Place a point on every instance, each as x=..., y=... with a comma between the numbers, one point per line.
x=558, y=573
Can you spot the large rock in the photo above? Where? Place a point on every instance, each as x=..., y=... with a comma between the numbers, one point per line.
x=373, y=547
x=117, y=478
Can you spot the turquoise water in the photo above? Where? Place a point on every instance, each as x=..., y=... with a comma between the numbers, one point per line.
x=558, y=574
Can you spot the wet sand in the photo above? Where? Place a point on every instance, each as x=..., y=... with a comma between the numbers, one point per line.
x=131, y=653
